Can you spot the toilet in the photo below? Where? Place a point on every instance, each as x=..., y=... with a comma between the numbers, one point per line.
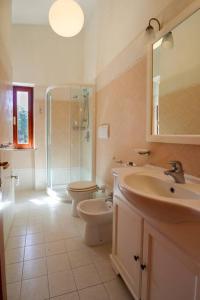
x=79, y=191
x=97, y=214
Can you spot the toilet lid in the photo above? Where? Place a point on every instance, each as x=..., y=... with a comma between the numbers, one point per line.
x=81, y=185
x=83, y=190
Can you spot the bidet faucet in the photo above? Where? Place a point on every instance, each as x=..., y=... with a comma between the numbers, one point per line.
x=176, y=172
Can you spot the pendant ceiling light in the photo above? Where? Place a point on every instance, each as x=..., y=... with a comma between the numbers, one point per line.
x=66, y=18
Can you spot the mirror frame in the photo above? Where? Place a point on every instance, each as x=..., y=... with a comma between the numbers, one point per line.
x=175, y=139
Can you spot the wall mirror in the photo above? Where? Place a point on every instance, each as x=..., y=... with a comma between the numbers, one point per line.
x=174, y=83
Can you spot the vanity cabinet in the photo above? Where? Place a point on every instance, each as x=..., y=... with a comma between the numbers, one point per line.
x=127, y=244
x=169, y=274
x=151, y=265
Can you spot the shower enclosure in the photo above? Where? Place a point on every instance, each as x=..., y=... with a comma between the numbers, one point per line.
x=70, y=137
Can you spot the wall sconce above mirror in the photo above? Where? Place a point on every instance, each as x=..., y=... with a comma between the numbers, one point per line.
x=151, y=27
x=173, y=107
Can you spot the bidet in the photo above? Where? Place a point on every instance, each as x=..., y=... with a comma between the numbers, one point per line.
x=97, y=214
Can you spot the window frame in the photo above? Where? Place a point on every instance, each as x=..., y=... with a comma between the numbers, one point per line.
x=28, y=89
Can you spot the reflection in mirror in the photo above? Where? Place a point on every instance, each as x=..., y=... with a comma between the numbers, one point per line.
x=176, y=80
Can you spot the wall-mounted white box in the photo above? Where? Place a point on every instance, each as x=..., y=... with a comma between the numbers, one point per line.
x=103, y=131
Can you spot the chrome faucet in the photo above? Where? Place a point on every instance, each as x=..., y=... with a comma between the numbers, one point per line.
x=176, y=172
x=109, y=198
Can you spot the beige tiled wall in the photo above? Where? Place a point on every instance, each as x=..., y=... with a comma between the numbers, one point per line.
x=45, y=60
x=30, y=165
x=7, y=184
x=122, y=104
x=5, y=73
x=62, y=136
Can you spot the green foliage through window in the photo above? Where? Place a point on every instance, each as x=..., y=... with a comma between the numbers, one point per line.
x=22, y=125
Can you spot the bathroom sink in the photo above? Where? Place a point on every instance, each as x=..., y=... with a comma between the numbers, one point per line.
x=158, y=196
x=156, y=187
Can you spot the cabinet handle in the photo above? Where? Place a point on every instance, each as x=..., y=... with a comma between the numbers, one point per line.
x=143, y=267
x=136, y=257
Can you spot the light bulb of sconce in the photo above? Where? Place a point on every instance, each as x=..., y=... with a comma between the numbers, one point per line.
x=66, y=18
x=151, y=32
x=168, y=41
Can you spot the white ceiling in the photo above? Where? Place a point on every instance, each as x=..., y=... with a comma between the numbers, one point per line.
x=36, y=11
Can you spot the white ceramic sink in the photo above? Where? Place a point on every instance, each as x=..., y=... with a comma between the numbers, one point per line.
x=157, y=195
x=156, y=187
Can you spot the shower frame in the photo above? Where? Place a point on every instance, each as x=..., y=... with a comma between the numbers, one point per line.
x=93, y=136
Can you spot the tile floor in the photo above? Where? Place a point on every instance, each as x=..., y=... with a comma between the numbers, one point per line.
x=47, y=259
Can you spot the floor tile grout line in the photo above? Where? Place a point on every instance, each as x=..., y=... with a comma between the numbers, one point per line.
x=92, y=264
x=47, y=274
x=106, y=291
x=20, y=294
x=90, y=286
x=74, y=280
x=102, y=282
x=40, y=276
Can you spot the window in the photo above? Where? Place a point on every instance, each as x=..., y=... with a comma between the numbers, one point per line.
x=23, y=116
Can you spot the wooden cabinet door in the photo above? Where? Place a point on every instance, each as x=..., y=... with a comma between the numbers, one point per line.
x=128, y=245
x=168, y=273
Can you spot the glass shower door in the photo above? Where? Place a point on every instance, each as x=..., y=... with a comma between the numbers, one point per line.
x=69, y=137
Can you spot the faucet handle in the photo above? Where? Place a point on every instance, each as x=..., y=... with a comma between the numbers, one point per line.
x=4, y=165
x=177, y=165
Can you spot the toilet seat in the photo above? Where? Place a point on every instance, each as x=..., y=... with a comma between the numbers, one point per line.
x=80, y=186
x=83, y=190
x=79, y=191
